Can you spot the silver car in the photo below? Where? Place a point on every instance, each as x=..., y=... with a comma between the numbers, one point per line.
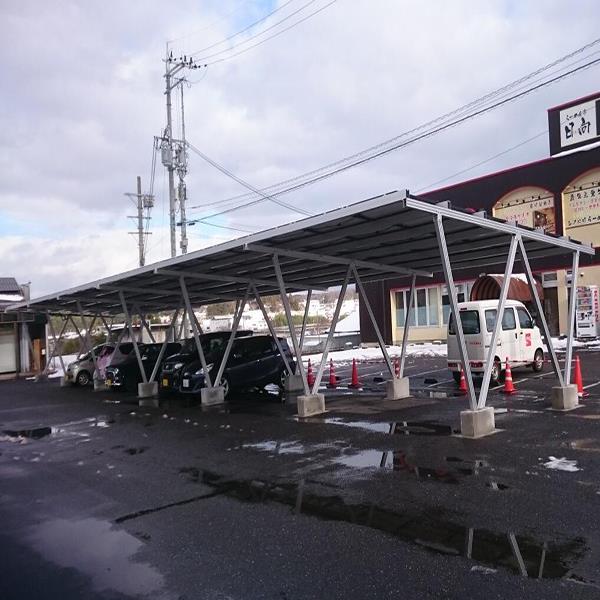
x=80, y=372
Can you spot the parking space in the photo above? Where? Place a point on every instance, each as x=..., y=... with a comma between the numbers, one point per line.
x=288, y=506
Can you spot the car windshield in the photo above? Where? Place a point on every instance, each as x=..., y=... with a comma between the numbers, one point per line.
x=469, y=320
x=209, y=345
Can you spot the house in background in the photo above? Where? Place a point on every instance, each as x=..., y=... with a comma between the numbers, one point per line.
x=22, y=335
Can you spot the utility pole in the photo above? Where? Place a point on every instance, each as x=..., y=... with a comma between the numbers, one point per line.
x=181, y=157
x=173, y=151
x=143, y=201
x=167, y=150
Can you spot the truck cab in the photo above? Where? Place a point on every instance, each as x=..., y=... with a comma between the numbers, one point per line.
x=520, y=340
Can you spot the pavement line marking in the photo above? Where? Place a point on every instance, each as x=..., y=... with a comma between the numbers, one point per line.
x=425, y=372
x=439, y=383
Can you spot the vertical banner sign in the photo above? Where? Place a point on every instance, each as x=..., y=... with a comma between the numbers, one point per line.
x=574, y=125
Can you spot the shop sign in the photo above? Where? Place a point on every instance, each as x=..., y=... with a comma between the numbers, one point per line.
x=581, y=214
x=529, y=210
x=574, y=125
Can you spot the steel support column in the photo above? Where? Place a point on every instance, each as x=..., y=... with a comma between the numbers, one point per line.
x=82, y=341
x=540, y=314
x=462, y=348
x=271, y=329
x=305, y=318
x=571, y=323
x=88, y=338
x=489, y=361
x=62, y=331
x=163, y=347
x=411, y=301
x=236, y=323
x=188, y=310
x=135, y=344
x=365, y=299
x=145, y=325
x=292, y=329
x=336, y=315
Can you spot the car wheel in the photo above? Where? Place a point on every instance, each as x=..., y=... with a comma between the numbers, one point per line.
x=538, y=361
x=225, y=385
x=496, y=372
x=283, y=375
x=83, y=378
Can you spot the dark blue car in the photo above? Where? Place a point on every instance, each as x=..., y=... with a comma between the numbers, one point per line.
x=253, y=362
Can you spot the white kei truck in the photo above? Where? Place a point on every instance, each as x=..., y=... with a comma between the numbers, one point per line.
x=520, y=340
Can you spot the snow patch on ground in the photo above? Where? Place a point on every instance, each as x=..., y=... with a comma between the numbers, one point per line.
x=561, y=464
x=560, y=344
x=374, y=354
x=349, y=324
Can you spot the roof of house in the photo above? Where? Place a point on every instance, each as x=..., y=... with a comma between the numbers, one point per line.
x=9, y=285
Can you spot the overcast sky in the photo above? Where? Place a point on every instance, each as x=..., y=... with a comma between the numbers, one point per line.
x=83, y=97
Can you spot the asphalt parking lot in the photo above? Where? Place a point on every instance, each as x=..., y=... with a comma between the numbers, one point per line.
x=101, y=498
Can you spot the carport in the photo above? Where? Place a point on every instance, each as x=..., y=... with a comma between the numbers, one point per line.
x=396, y=235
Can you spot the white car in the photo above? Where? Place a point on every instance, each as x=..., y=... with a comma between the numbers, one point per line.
x=520, y=339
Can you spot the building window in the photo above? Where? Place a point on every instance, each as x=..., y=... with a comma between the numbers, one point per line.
x=462, y=295
x=425, y=311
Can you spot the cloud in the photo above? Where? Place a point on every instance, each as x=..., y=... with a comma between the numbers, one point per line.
x=84, y=97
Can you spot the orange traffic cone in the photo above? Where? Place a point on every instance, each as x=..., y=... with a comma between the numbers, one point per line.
x=332, y=378
x=310, y=376
x=355, y=382
x=397, y=368
x=509, y=388
x=462, y=386
x=578, y=379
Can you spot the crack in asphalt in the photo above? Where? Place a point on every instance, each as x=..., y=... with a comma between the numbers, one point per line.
x=147, y=511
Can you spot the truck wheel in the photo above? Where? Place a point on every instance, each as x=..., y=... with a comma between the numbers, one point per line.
x=538, y=361
x=496, y=371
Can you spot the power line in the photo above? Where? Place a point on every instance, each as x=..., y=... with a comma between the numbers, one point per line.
x=386, y=150
x=309, y=176
x=264, y=18
x=225, y=50
x=248, y=186
x=277, y=33
x=483, y=162
x=224, y=226
x=210, y=25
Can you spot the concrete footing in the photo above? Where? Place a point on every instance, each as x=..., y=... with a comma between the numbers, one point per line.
x=214, y=395
x=477, y=423
x=311, y=404
x=564, y=397
x=148, y=390
x=397, y=389
x=99, y=385
x=294, y=383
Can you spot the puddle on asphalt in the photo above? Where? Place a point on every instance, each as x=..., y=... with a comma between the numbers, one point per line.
x=589, y=445
x=277, y=447
x=426, y=428
x=35, y=434
x=397, y=460
x=367, y=425
x=523, y=555
x=96, y=549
